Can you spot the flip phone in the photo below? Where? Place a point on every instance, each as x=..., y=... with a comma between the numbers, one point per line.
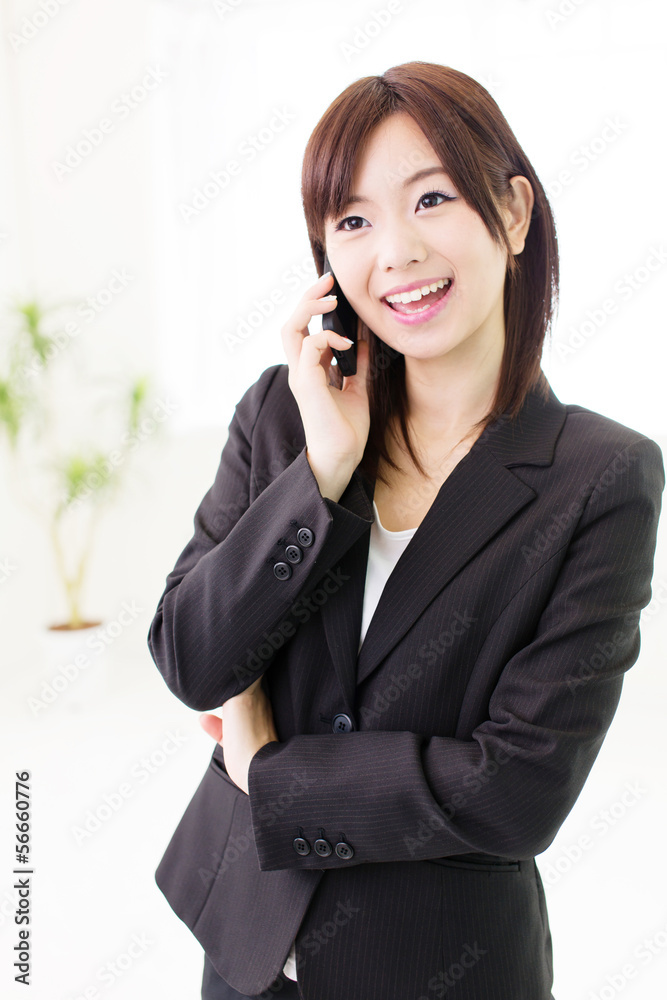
x=342, y=320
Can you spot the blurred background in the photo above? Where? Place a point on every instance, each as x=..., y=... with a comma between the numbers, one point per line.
x=152, y=243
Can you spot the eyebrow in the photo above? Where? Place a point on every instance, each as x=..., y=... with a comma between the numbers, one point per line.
x=356, y=199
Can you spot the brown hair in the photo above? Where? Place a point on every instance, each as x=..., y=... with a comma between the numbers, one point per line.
x=475, y=144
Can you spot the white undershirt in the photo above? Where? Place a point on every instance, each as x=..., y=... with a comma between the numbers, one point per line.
x=384, y=551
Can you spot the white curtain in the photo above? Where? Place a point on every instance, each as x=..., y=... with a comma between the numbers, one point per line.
x=232, y=256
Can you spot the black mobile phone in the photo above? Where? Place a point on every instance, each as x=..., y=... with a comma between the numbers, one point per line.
x=342, y=320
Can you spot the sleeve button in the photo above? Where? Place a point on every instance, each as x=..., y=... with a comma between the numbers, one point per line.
x=342, y=723
x=344, y=850
x=282, y=570
x=323, y=847
x=305, y=537
x=294, y=553
x=301, y=846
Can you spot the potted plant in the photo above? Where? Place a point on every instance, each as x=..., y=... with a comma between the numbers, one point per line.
x=55, y=416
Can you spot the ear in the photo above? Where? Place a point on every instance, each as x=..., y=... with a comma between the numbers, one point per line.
x=517, y=212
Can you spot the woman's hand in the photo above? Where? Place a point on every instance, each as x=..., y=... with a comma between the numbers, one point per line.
x=246, y=725
x=336, y=421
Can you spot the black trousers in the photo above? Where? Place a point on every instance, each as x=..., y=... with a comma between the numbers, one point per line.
x=214, y=987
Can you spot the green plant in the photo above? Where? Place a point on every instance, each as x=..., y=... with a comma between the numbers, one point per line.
x=67, y=482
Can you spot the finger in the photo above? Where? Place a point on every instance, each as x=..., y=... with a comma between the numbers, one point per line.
x=311, y=304
x=320, y=287
x=317, y=347
x=296, y=329
x=212, y=724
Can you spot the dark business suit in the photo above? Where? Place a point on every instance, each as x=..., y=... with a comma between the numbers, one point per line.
x=394, y=825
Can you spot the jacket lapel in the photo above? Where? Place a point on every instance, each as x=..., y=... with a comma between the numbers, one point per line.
x=478, y=497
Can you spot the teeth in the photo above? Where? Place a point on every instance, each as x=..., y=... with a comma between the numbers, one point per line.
x=417, y=293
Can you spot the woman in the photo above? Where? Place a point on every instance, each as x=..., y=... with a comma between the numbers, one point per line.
x=414, y=591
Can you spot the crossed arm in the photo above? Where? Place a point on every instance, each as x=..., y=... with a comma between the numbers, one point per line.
x=546, y=721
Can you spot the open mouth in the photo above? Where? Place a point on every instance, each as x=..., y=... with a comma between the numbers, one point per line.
x=426, y=304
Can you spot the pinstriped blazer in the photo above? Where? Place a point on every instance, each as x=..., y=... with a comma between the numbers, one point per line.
x=393, y=827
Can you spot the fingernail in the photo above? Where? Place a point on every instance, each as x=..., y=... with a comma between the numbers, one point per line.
x=325, y=275
x=325, y=298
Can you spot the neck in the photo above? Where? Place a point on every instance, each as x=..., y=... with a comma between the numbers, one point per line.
x=448, y=395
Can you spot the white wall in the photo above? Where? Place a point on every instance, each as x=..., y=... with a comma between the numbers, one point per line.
x=558, y=79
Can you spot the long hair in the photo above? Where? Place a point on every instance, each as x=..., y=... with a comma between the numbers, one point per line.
x=478, y=149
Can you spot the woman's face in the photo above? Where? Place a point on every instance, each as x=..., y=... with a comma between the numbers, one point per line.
x=401, y=237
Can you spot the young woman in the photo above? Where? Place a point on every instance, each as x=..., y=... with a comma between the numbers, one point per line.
x=413, y=591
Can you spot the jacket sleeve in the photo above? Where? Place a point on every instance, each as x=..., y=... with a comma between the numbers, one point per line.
x=400, y=796
x=224, y=612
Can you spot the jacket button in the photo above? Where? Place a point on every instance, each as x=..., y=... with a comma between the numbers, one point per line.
x=342, y=723
x=301, y=846
x=344, y=850
x=305, y=537
x=282, y=570
x=323, y=847
x=294, y=553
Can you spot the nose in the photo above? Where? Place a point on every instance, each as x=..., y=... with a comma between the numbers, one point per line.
x=399, y=246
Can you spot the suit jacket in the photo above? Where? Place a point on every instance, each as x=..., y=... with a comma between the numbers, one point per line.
x=394, y=825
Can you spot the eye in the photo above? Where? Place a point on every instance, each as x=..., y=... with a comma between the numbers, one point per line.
x=437, y=194
x=340, y=226
x=350, y=218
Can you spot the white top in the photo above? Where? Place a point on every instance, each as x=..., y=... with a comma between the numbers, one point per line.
x=384, y=551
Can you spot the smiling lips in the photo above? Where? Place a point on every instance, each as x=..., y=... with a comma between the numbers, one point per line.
x=415, y=292
x=414, y=306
